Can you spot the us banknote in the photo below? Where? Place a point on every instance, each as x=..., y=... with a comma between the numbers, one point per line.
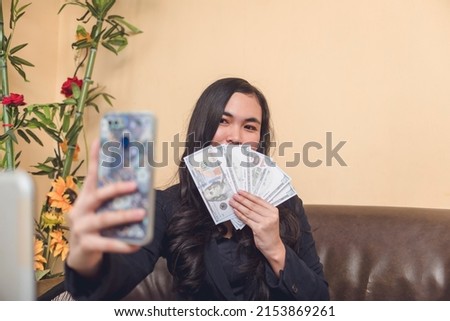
x=220, y=171
x=212, y=184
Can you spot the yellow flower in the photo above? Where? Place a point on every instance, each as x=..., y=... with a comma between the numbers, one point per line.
x=65, y=147
x=63, y=193
x=50, y=219
x=39, y=260
x=58, y=245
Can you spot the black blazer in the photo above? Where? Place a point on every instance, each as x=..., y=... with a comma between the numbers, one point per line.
x=302, y=278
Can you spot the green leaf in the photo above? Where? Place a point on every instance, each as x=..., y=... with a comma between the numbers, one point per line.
x=95, y=107
x=44, y=119
x=109, y=47
x=19, y=16
x=53, y=134
x=40, y=274
x=66, y=123
x=20, y=71
x=34, y=123
x=20, y=61
x=76, y=92
x=18, y=155
x=17, y=48
x=44, y=168
x=40, y=115
x=33, y=135
x=49, y=159
x=62, y=109
x=75, y=3
x=21, y=121
x=11, y=14
x=70, y=101
x=40, y=173
x=118, y=41
x=3, y=137
x=47, y=112
x=77, y=168
x=12, y=135
x=23, y=135
x=81, y=44
x=22, y=8
x=82, y=31
x=71, y=138
x=122, y=21
x=92, y=9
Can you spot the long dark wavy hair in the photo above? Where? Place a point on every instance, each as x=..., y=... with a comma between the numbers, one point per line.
x=192, y=228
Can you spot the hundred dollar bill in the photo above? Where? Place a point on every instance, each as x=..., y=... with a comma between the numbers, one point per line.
x=237, y=223
x=216, y=191
x=236, y=166
x=261, y=174
x=257, y=168
x=273, y=183
x=286, y=193
x=268, y=181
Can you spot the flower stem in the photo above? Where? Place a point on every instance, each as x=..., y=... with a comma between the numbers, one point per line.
x=47, y=249
x=9, y=153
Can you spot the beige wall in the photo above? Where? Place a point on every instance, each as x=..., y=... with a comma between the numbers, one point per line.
x=375, y=74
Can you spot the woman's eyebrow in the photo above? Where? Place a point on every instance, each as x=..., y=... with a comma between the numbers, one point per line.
x=250, y=119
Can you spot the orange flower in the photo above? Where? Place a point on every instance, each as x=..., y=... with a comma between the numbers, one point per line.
x=63, y=193
x=65, y=147
x=58, y=245
x=39, y=260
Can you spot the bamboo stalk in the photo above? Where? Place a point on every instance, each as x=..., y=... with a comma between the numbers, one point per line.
x=9, y=153
x=87, y=81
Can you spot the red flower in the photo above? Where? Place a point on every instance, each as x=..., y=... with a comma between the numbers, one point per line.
x=13, y=100
x=66, y=88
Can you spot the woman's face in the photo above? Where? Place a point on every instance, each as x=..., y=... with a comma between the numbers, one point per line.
x=241, y=121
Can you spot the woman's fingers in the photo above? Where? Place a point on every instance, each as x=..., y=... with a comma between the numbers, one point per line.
x=111, y=191
x=96, y=243
x=251, y=197
x=95, y=223
x=251, y=206
x=89, y=201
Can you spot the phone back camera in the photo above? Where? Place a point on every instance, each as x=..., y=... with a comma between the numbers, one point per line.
x=126, y=142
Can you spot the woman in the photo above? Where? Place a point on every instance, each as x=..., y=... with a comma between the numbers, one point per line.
x=272, y=258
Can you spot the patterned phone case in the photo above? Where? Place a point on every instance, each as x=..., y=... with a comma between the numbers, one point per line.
x=126, y=154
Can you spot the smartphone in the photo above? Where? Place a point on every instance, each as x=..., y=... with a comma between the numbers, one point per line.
x=126, y=154
x=17, y=196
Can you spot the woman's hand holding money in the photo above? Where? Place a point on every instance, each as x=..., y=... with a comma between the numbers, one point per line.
x=263, y=219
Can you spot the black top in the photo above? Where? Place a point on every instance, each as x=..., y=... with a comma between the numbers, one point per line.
x=231, y=261
x=301, y=279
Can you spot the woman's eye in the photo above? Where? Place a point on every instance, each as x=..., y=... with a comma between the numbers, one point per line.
x=251, y=127
x=223, y=121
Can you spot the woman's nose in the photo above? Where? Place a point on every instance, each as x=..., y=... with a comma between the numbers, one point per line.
x=234, y=135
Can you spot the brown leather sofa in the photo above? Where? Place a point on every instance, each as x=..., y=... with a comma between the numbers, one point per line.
x=368, y=253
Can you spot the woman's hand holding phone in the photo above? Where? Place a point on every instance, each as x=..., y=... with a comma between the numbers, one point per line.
x=87, y=245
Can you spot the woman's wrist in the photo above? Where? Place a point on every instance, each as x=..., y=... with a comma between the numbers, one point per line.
x=276, y=258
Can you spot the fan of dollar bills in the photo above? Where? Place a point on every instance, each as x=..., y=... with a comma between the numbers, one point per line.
x=220, y=171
